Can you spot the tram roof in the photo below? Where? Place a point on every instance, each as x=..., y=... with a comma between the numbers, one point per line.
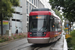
x=39, y=13
x=41, y=9
x=42, y=13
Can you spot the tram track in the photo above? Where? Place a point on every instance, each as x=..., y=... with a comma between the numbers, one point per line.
x=42, y=47
x=34, y=46
x=50, y=45
x=27, y=46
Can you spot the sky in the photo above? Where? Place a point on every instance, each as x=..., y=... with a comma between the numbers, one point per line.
x=47, y=5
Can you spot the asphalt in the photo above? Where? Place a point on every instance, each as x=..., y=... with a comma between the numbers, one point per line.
x=22, y=44
x=7, y=42
x=64, y=45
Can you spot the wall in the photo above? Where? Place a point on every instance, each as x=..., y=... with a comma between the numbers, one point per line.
x=5, y=27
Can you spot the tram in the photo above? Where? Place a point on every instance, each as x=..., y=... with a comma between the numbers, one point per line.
x=44, y=27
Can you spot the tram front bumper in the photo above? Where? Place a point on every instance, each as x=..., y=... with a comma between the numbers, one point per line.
x=38, y=40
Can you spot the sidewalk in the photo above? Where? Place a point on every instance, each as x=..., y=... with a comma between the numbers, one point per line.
x=61, y=44
x=7, y=42
x=65, y=47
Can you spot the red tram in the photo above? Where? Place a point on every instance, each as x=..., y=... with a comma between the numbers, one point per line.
x=44, y=27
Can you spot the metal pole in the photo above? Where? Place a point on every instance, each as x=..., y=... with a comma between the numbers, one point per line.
x=1, y=25
x=10, y=27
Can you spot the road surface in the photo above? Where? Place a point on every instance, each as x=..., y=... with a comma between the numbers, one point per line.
x=24, y=45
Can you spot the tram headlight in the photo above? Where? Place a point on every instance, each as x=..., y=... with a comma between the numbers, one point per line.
x=44, y=33
x=29, y=33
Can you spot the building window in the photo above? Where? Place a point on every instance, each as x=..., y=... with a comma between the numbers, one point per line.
x=32, y=7
x=27, y=7
x=27, y=18
x=16, y=20
x=36, y=2
x=29, y=0
x=32, y=1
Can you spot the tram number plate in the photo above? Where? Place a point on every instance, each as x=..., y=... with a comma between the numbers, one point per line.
x=37, y=33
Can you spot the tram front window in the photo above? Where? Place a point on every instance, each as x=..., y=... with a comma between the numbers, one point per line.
x=38, y=24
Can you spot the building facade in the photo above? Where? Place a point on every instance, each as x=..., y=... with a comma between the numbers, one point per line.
x=27, y=7
x=20, y=19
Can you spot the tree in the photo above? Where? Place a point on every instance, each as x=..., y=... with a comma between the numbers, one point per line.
x=58, y=13
x=68, y=8
x=6, y=10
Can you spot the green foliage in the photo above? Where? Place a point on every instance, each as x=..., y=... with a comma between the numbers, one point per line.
x=6, y=9
x=71, y=40
x=5, y=38
x=58, y=13
x=65, y=30
x=68, y=8
x=13, y=37
x=15, y=2
x=72, y=33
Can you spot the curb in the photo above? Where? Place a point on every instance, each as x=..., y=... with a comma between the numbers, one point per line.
x=65, y=44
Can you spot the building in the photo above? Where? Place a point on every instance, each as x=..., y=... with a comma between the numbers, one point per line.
x=5, y=26
x=27, y=7
x=20, y=19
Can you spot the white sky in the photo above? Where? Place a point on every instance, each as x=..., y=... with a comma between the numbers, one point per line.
x=47, y=5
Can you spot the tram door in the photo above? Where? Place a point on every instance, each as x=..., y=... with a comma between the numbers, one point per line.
x=51, y=26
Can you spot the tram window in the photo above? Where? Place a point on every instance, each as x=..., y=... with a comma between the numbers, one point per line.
x=59, y=27
x=51, y=21
x=48, y=25
x=39, y=25
x=52, y=26
x=42, y=23
x=56, y=24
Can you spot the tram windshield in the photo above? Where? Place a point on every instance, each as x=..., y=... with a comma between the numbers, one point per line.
x=38, y=23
